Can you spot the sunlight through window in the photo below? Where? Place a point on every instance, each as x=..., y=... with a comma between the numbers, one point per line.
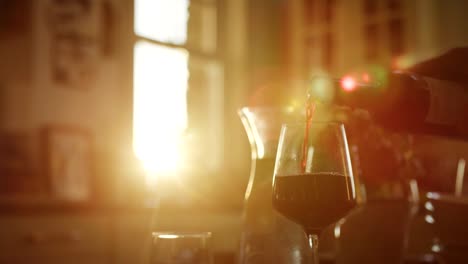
x=162, y=20
x=160, y=105
x=167, y=33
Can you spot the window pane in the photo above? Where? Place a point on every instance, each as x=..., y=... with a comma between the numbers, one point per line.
x=328, y=14
x=162, y=20
x=370, y=7
x=328, y=50
x=396, y=37
x=311, y=52
x=206, y=115
x=371, y=35
x=160, y=104
x=394, y=5
x=202, y=28
x=309, y=10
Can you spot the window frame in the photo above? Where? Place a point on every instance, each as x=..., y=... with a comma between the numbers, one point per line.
x=199, y=57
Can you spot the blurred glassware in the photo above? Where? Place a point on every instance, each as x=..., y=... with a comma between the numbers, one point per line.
x=313, y=179
x=267, y=237
x=378, y=231
x=387, y=171
x=399, y=222
x=446, y=216
x=460, y=177
x=181, y=248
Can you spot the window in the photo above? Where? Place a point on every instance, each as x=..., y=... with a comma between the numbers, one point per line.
x=319, y=42
x=174, y=48
x=384, y=32
x=162, y=20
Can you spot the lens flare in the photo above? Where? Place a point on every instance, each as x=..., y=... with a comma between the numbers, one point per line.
x=160, y=106
x=366, y=77
x=348, y=83
x=168, y=236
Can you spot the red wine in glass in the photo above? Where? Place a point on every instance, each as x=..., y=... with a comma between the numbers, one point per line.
x=313, y=200
x=313, y=183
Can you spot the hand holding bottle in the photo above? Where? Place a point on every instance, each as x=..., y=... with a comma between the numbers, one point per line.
x=428, y=98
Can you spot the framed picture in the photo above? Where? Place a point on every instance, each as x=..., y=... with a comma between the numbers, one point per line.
x=16, y=176
x=68, y=162
x=74, y=37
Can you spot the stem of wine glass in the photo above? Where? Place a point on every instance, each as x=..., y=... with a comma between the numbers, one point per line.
x=313, y=244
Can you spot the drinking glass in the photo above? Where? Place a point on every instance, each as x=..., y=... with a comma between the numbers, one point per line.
x=313, y=182
x=181, y=248
x=261, y=224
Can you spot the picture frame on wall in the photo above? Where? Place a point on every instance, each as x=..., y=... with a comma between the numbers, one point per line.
x=68, y=162
x=73, y=27
x=16, y=175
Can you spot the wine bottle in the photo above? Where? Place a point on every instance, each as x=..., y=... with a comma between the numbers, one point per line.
x=410, y=103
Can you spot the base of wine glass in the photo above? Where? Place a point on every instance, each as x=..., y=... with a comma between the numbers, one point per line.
x=313, y=244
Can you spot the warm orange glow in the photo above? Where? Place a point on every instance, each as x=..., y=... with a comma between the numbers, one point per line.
x=366, y=77
x=348, y=83
x=402, y=62
x=160, y=107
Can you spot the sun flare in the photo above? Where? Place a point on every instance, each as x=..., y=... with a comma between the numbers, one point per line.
x=160, y=106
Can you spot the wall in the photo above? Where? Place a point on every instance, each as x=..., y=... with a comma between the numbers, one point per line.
x=436, y=26
x=31, y=99
x=453, y=24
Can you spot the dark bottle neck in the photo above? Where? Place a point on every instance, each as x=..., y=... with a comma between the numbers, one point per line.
x=408, y=103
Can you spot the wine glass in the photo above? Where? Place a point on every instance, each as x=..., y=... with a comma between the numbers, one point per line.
x=181, y=248
x=313, y=183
